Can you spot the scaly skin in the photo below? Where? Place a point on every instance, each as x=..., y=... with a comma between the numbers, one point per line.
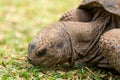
x=46, y=49
x=76, y=15
x=109, y=43
x=78, y=40
x=110, y=47
x=64, y=42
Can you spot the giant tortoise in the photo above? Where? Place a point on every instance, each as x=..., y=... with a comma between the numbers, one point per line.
x=88, y=34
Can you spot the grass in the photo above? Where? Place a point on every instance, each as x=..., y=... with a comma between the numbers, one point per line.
x=20, y=20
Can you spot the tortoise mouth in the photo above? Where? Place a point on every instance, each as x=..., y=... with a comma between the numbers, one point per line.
x=29, y=60
x=41, y=62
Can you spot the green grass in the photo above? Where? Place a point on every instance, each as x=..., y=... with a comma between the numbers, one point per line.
x=20, y=20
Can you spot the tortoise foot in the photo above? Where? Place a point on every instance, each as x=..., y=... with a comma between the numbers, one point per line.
x=110, y=47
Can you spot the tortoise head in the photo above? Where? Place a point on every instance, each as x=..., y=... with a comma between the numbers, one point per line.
x=50, y=46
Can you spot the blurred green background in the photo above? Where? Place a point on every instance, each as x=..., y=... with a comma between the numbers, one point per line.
x=20, y=20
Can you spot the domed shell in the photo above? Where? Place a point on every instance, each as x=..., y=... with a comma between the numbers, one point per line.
x=112, y=6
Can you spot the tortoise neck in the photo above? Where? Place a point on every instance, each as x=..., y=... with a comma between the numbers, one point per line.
x=115, y=21
x=82, y=35
x=100, y=14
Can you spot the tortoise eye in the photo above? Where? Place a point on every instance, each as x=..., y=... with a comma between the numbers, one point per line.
x=42, y=52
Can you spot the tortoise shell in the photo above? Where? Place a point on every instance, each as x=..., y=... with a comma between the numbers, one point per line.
x=112, y=6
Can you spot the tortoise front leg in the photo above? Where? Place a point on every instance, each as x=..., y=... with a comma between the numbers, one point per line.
x=110, y=47
x=78, y=15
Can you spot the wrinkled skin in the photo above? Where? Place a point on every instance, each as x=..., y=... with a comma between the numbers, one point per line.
x=73, y=39
x=58, y=43
x=56, y=36
x=49, y=46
